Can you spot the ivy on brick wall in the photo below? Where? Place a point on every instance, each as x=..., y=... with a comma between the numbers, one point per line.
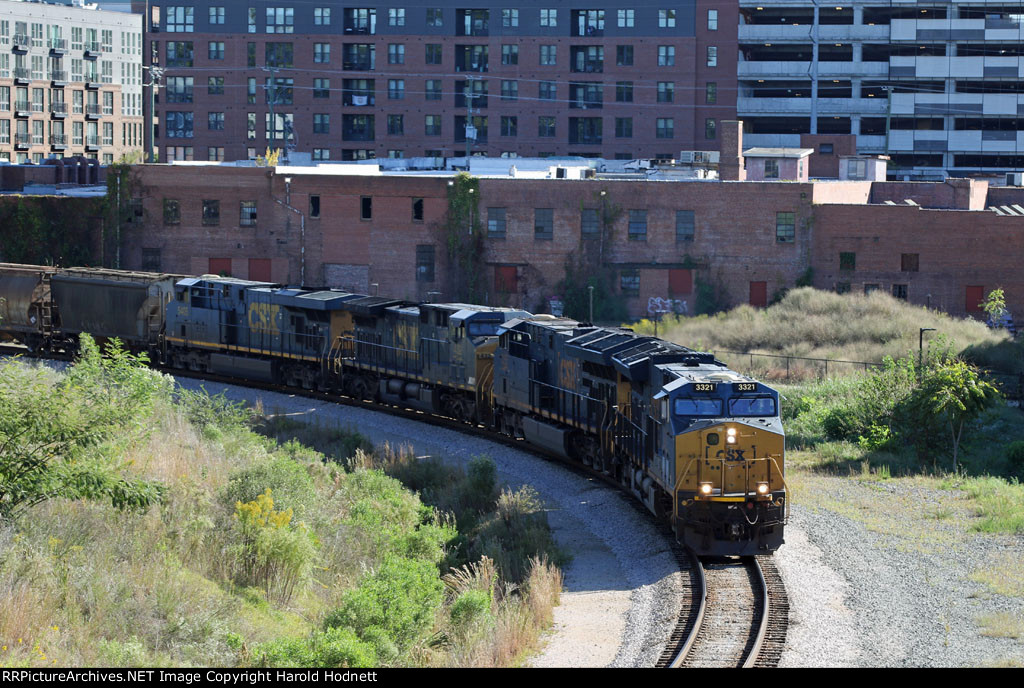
x=588, y=266
x=49, y=230
x=463, y=236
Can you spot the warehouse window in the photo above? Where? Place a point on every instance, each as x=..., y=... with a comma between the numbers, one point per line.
x=590, y=227
x=425, y=263
x=417, y=210
x=629, y=282
x=638, y=225
x=899, y=291
x=847, y=260
x=684, y=225
x=247, y=214
x=151, y=259
x=496, y=223
x=543, y=223
x=314, y=206
x=211, y=212
x=172, y=212
x=366, y=208
x=785, y=227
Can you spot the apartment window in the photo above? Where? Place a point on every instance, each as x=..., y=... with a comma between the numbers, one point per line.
x=665, y=128
x=180, y=19
x=627, y=19
x=548, y=54
x=543, y=223
x=179, y=89
x=321, y=154
x=322, y=16
x=712, y=56
x=365, y=208
x=321, y=123
x=496, y=222
x=624, y=91
x=278, y=54
x=684, y=225
x=211, y=212
x=396, y=53
x=179, y=54
x=425, y=263
x=666, y=91
x=710, y=93
x=396, y=89
x=321, y=53
x=215, y=153
x=624, y=55
x=396, y=16
x=279, y=91
x=178, y=125
x=321, y=88
x=638, y=225
x=216, y=15
x=547, y=90
x=247, y=214
x=432, y=125
x=509, y=126
x=396, y=125
x=435, y=16
x=434, y=56
x=549, y=18
x=280, y=20
x=251, y=92
x=215, y=86
x=250, y=54
x=509, y=90
x=215, y=121
x=510, y=18
x=909, y=262
x=771, y=169
x=666, y=55
x=252, y=20
x=545, y=126
x=785, y=227
x=510, y=54
x=711, y=130
x=666, y=19
x=624, y=127
x=712, y=20
x=629, y=282
x=433, y=88
x=216, y=50
x=172, y=211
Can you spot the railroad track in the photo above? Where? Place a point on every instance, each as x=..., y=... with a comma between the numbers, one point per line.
x=722, y=621
x=736, y=615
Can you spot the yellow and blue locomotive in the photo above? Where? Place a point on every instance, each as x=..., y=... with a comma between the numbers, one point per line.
x=696, y=442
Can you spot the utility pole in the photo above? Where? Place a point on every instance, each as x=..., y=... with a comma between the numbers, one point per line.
x=470, y=128
x=156, y=73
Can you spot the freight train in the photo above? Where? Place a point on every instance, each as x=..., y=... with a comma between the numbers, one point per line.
x=700, y=445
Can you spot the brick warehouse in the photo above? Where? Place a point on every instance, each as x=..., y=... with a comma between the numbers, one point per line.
x=373, y=232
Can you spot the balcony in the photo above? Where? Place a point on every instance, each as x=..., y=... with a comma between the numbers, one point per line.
x=59, y=78
x=58, y=46
x=93, y=81
x=21, y=43
x=826, y=106
x=22, y=108
x=22, y=140
x=59, y=110
x=92, y=143
x=22, y=75
x=92, y=49
x=93, y=110
x=58, y=141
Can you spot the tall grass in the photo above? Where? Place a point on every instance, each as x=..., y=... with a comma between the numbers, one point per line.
x=809, y=322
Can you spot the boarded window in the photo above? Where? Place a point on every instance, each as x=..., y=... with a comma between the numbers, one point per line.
x=506, y=279
x=151, y=259
x=543, y=223
x=759, y=294
x=220, y=266
x=909, y=262
x=629, y=282
x=259, y=269
x=638, y=225
x=847, y=260
x=975, y=295
x=590, y=226
x=680, y=282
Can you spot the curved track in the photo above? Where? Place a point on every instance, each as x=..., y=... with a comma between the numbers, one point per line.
x=737, y=618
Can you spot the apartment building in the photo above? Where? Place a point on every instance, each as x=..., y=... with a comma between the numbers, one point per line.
x=70, y=82
x=938, y=86
x=407, y=79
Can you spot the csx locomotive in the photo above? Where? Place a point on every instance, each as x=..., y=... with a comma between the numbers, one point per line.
x=697, y=443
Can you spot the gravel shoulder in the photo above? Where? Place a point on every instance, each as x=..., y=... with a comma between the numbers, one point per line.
x=889, y=574
x=622, y=586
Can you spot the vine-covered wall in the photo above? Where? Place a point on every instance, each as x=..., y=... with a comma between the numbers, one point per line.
x=51, y=230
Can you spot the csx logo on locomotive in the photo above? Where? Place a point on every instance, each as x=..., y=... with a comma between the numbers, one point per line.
x=263, y=317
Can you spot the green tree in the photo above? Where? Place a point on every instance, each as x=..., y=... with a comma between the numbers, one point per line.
x=994, y=304
x=952, y=392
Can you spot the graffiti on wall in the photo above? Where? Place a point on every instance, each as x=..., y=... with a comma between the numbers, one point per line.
x=657, y=305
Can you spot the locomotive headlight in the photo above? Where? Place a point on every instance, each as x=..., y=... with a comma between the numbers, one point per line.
x=762, y=488
x=730, y=436
x=705, y=488
x=731, y=432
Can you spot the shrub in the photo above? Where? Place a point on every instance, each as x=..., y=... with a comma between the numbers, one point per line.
x=1015, y=456
x=469, y=607
x=332, y=648
x=289, y=480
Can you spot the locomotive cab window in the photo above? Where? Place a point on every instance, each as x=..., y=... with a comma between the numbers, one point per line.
x=689, y=406
x=752, y=406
